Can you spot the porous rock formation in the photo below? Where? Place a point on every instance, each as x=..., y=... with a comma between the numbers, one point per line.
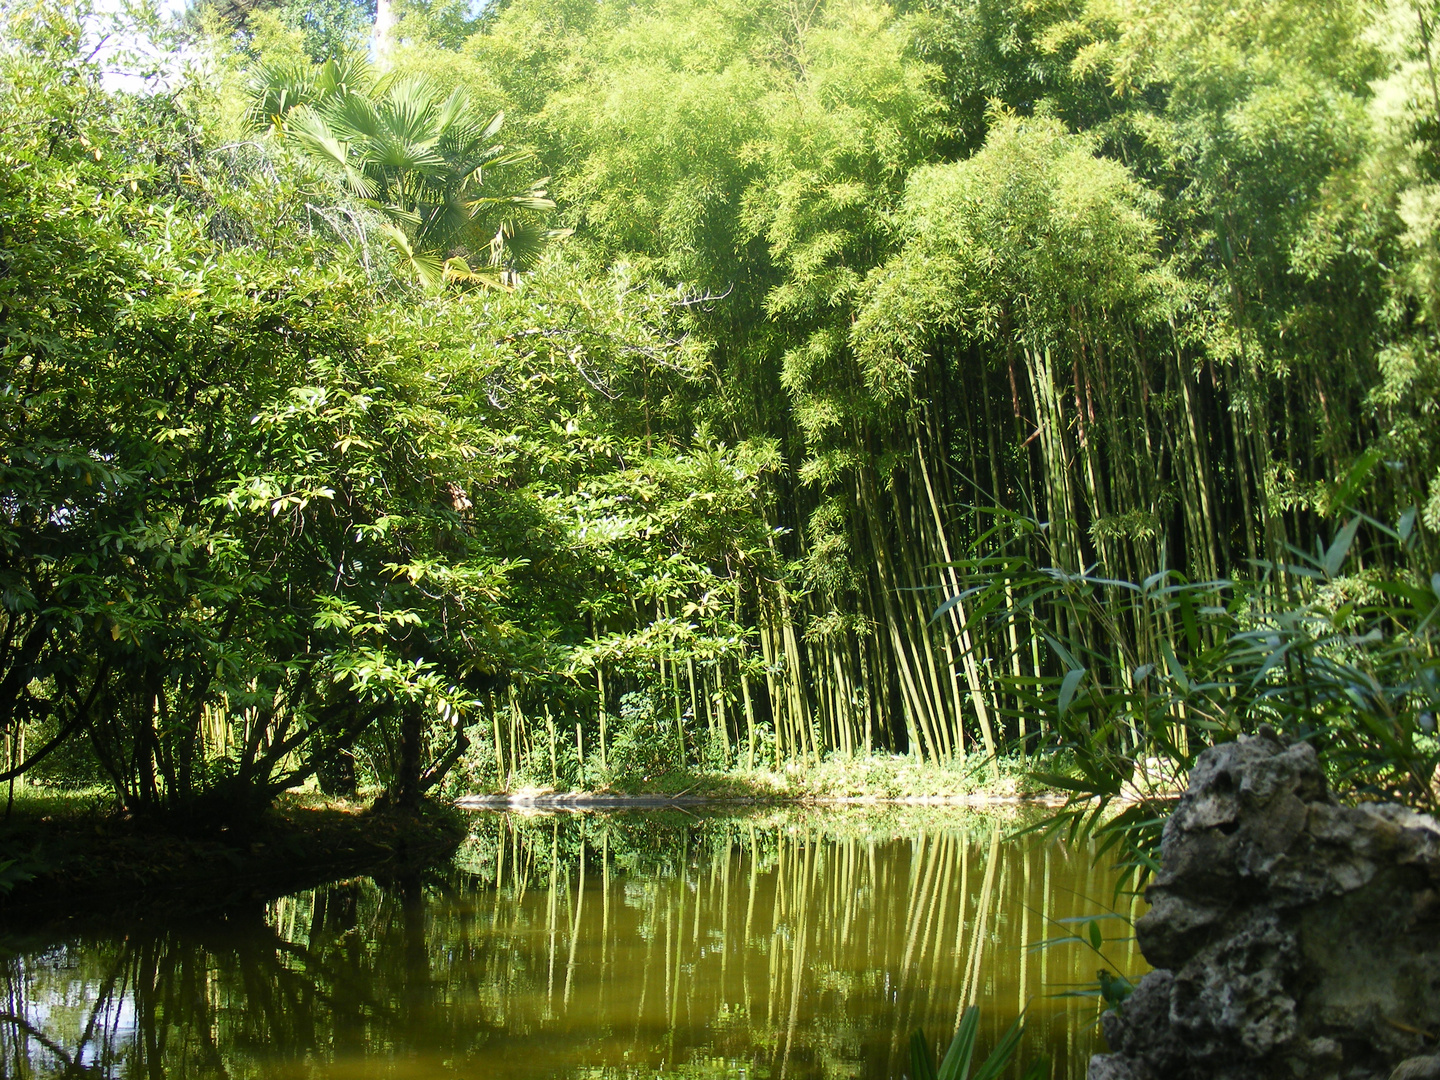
x=1292, y=937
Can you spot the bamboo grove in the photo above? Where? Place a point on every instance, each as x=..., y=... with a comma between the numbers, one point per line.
x=577, y=394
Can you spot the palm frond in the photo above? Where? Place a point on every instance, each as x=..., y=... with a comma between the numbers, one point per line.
x=454, y=112
x=353, y=116
x=411, y=109
x=314, y=133
x=457, y=269
x=343, y=76
x=276, y=89
x=536, y=198
x=518, y=245
x=438, y=221
x=426, y=266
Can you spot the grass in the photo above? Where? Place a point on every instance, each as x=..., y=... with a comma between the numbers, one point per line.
x=878, y=778
x=33, y=803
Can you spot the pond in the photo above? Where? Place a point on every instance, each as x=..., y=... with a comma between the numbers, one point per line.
x=781, y=945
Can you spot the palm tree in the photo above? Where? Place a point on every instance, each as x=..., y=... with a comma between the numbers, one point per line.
x=420, y=156
x=276, y=89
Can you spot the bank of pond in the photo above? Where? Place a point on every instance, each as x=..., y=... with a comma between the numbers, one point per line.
x=775, y=944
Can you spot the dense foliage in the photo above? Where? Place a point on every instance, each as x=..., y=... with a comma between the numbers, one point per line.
x=846, y=308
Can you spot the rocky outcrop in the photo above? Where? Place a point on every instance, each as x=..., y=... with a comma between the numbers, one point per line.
x=1293, y=937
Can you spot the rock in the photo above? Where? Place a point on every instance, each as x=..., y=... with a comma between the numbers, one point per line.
x=1418, y=1068
x=1145, y=1042
x=1293, y=937
x=1111, y=1067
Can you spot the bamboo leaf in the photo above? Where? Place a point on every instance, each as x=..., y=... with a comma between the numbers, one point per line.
x=1064, y=653
x=1068, y=687
x=1356, y=477
x=1066, y=783
x=1187, y=617
x=958, y=598
x=1340, y=548
x=1177, y=671
x=1422, y=599
x=1406, y=525
x=1087, y=919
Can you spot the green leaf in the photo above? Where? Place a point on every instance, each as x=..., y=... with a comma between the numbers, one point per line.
x=1177, y=670
x=1004, y=1050
x=1337, y=551
x=1362, y=468
x=922, y=1062
x=956, y=1065
x=1406, y=524
x=1068, y=686
x=1187, y=617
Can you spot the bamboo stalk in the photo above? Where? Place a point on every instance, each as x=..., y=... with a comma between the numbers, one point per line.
x=960, y=623
x=575, y=927
x=600, y=688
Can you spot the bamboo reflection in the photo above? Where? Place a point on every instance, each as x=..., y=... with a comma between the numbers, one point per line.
x=712, y=947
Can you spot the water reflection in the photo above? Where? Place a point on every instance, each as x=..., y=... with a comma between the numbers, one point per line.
x=784, y=946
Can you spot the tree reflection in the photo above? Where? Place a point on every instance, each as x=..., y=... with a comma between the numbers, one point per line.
x=587, y=947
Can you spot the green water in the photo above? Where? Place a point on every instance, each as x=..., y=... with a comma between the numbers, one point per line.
x=788, y=945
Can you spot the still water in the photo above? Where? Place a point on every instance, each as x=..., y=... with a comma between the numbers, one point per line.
x=792, y=945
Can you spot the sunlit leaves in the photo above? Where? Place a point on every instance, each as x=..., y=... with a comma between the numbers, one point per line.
x=419, y=154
